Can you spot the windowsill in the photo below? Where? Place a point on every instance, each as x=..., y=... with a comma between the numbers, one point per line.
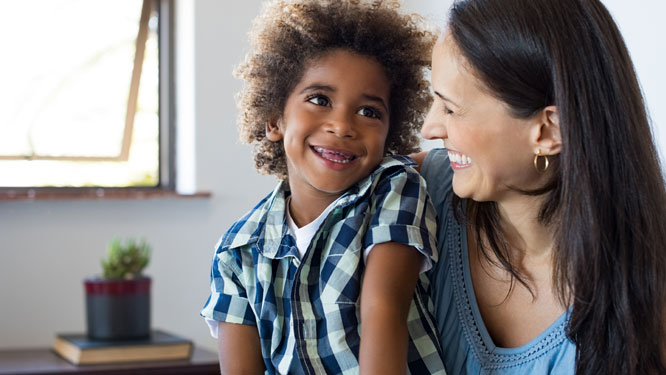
x=39, y=194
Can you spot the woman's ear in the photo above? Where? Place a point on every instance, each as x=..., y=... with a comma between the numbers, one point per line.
x=545, y=135
x=273, y=130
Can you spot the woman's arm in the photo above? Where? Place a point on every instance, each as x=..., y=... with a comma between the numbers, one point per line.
x=239, y=349
x=389, y=281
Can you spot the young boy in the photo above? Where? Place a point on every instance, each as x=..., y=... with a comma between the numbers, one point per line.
x=332, y=89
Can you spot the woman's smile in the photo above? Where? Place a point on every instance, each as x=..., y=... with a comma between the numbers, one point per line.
x=459, y=160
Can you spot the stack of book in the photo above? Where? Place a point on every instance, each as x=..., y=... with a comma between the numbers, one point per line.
x=80, y=350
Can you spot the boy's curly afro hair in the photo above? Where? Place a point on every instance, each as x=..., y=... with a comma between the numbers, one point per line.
x=290, y=34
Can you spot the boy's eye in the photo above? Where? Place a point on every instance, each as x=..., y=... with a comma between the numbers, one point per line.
x=319, y=100
x=370, y=112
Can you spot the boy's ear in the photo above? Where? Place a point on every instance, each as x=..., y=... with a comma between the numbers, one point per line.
x=545, y=134
x=274, y=130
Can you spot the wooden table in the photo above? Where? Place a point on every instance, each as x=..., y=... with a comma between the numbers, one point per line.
x=44, y=361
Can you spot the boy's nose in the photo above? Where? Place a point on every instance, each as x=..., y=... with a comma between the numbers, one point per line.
x=341, y=126
x=433, y=126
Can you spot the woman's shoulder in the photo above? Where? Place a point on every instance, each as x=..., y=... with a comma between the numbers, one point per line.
x=437, y=172
x=435, y=162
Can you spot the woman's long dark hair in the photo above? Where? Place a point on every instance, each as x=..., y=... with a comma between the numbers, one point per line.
x=606, y=196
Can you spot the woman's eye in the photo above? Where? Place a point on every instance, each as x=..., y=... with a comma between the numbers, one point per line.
x=319, y=100
x=369, y=112
x=447, y=111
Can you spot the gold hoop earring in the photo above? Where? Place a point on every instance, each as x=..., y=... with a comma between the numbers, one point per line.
x=536, y=162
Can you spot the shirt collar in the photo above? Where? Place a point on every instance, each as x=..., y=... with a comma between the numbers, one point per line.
x=267, y=222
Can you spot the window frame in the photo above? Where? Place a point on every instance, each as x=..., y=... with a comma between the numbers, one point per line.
x=166, y=186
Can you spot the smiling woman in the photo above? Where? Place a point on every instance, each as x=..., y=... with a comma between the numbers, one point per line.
x=552, y=232
x=80, y=98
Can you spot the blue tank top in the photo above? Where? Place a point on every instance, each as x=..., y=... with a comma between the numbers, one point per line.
x=466, y=343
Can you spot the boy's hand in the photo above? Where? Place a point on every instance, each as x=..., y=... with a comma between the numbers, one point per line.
x=419, y=157
x=239, y=349
x=390, y=278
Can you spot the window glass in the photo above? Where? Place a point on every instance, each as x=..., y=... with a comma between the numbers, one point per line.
x=80, y=92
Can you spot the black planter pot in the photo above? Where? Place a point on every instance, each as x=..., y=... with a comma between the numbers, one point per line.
x=118, y=309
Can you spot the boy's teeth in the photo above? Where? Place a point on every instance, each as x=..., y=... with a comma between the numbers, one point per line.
x=334, y=156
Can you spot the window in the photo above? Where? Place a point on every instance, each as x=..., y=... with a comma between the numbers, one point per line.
x=83, y=81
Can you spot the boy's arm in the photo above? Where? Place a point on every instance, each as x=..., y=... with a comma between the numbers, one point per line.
x=392, y=270
x=239, y=349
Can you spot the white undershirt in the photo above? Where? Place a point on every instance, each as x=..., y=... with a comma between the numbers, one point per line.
x=304, y=234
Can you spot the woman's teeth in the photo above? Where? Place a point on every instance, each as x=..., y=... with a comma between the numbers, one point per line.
x=459, y=158
x=334, y=156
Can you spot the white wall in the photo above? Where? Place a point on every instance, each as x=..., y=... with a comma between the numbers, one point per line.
x=48, y=247
x=641, y=23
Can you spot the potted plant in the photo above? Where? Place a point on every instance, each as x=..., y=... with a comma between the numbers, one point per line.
x=118, y=303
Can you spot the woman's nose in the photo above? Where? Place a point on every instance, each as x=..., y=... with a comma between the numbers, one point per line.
x=433, y=126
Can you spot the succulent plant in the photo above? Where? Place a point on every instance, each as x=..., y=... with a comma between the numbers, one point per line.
x=125, y=260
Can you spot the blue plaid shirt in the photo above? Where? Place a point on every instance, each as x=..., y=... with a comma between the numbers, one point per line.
x=307, y=310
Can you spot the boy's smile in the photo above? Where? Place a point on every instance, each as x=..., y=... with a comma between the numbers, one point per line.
x=334, y=128
x=335, y=156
